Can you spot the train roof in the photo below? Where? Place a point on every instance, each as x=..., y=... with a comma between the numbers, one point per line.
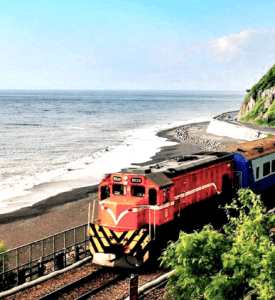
x=159, y=173
x=254, y=149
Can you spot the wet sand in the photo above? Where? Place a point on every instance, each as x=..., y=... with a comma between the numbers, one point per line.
x=69, y=209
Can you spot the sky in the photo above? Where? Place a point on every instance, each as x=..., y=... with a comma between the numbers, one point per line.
x=136, y=44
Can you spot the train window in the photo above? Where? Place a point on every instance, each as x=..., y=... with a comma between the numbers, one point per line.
x=138, y=191
x=105, y=192
x=166, y=195
x=119, y=189
x=273, y=166
x=266, y=170
x=257, y=172
x=152, y=197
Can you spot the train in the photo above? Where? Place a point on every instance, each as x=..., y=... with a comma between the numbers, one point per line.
x=139, y=208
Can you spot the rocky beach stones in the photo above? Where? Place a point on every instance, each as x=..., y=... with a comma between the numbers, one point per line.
x=182, y=133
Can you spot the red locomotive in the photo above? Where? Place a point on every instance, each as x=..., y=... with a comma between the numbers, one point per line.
x=138, y=207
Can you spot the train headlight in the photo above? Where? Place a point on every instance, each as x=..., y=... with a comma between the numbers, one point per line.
x=125, y=177
x=125, y=182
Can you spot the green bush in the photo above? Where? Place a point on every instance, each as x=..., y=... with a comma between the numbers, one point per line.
x=2, y=247
x=236, y=263
x=271, y=111
x=10, y=278
x=263, y=122
x=260, y=121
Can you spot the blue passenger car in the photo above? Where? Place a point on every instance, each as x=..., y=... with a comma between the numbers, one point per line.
x=254, y=164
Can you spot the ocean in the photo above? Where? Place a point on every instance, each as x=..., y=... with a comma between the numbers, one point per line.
x=54, y=141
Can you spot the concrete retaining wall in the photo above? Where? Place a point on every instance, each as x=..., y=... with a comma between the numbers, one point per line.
x=221, y=128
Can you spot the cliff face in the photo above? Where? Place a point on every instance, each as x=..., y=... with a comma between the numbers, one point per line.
x=259, y=106
x=267, y=95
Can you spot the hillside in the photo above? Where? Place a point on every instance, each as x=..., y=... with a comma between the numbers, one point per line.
x=258, y=106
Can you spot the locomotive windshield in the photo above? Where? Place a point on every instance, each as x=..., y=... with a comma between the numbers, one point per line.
x=138, y=191
x=119, y=189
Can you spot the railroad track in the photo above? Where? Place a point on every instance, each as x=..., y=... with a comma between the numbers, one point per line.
x=87, y=286
x=92, y=282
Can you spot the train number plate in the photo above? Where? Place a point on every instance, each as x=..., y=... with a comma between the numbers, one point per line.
x=136, y=180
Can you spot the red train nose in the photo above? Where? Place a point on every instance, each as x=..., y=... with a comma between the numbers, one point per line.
x=119, y=216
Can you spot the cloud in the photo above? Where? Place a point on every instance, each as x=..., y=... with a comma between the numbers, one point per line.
x=233, y=61
x=247, y=44
x=236, y=45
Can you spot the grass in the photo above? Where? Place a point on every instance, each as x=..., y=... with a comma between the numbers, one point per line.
x=271, y=111
x=257, y=111
x=255, y=116
x=266, y=82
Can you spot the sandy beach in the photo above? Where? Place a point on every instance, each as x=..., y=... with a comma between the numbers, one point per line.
x=69, y=209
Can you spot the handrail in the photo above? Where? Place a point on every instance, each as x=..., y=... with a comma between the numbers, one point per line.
x=150, y=223
x=89, y=219
x=93, y=213
x=30, y=259
x=150, y=234
x=154, y=224
x=47, y=237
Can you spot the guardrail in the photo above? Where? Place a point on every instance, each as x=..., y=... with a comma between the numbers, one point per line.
x=39, y=258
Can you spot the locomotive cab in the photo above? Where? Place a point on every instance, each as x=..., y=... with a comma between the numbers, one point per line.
x=128, y=202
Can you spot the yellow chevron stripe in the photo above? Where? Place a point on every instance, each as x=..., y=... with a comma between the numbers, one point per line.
x=108, y=233
x=137, y=239
x=132, y=245
x=95, y=239
x=102, y=238
x=92, y=249
x=118, y=234
x=141, y=233
x=100, y=249
x=146, y=256
x=97, y=227
x=145, y=242
x=91, y=231
x=129, y=235
x=134, y=241
x=100, y=234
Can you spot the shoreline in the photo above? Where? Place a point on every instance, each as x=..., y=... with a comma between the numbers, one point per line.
x=69, y=209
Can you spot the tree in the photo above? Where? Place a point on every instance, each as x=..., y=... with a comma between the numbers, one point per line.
x=237, y=262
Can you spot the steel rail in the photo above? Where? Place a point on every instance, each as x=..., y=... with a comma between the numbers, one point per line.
x=155, y=283
x=143, y=295
x=102, y=287
x=72, y=285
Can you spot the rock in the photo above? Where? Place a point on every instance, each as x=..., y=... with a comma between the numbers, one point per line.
x=250, y=104
x=269, y=101
x=245, y=108
x=208, y=145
